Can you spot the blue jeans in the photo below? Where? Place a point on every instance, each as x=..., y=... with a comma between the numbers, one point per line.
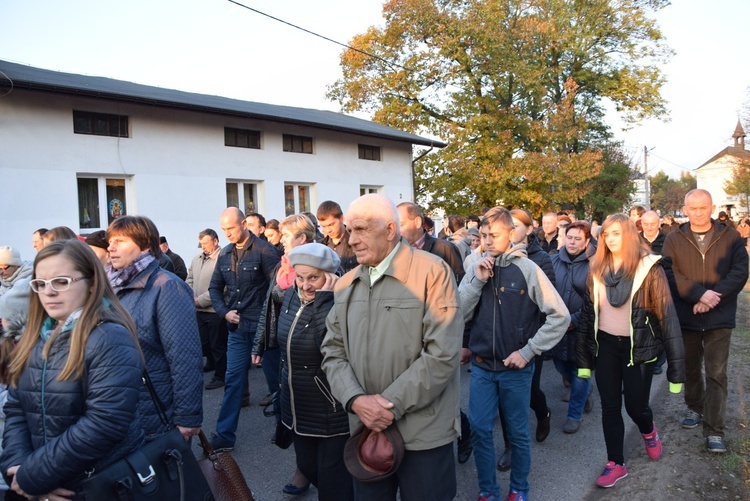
x=511, y=389
x=239, y=346
x=579, y=387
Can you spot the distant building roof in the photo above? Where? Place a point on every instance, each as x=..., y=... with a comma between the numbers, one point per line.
x=27, y=77
x=740, y=153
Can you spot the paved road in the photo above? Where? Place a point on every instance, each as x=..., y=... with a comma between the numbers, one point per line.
x=564, y=467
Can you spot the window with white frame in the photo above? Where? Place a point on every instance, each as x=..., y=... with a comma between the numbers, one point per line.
x=243, y=194
x=366, y=190
x=296, y=198
x=101, y=200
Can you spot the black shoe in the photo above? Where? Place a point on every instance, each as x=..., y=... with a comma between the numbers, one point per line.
x=504, y=463
x=245, y=401
x=464, y=449
x=265, y=401
x=214, y=383
x=542, y=427
x=208, y=368
x=218, y=444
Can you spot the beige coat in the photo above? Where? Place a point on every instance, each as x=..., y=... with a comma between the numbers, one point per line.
x=199, y=278
x=400, y=338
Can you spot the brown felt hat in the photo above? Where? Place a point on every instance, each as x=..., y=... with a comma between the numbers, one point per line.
x=371, y=456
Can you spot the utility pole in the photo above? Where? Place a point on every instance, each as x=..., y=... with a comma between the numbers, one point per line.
x=645, y=175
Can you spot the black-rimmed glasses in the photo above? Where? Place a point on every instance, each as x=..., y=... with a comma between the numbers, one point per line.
x=58, y=284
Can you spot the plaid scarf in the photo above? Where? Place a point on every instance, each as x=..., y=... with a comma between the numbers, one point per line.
x=122, y=277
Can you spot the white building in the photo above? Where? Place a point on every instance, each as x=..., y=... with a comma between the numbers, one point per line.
x=78, y=151
x=714, y=173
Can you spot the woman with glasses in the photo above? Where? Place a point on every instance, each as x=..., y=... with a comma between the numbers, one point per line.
x=74, y=380
x=628, y=318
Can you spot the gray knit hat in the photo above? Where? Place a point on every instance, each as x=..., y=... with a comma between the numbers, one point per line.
x=10, y=257
x=316, y=255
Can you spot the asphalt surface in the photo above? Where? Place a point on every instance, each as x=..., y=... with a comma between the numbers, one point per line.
x=564, y=467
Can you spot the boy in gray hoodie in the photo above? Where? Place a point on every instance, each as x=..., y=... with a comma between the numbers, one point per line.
x=504, y=298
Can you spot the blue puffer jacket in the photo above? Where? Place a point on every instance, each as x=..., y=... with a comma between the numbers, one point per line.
x=163, y=310
x=57, y=430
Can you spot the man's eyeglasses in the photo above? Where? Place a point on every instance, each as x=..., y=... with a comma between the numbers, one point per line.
x=58, y=284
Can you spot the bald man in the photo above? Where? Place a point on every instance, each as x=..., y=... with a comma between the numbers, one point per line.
x=392, y=351
x=651, y=233
x=707, y=266
x=243, y=271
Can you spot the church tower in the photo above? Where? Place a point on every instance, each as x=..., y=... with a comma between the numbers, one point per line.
x=739, y=136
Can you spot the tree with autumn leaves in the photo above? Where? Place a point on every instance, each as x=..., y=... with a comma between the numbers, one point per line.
x=516, y=88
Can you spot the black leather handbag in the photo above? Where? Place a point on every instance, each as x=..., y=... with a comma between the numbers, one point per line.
x=164, y=469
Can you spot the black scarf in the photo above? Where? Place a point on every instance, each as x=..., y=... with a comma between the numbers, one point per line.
x=618, y=288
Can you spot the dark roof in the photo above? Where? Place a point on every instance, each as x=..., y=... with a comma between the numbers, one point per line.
x=740, y=153
x=28, y=77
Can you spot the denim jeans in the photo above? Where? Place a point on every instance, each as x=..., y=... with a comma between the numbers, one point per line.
x=707, y=395
x=511, y=388
x=579, y=387
x=239, y=346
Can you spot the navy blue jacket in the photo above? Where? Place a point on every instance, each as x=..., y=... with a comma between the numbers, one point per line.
x=57, y=430
x=246, y=283
x=163, y=310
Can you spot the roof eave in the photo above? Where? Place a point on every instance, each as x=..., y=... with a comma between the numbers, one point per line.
x=77, y=91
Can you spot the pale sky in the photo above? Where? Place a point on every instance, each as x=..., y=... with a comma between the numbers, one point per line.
x=216, y=47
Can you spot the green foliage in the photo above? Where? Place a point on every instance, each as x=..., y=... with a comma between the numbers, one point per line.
x=739, y=184
x=613, y=186
x=516, y=88
x=667, y=194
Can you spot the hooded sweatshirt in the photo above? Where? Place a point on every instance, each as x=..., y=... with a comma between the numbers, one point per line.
x=506, y=312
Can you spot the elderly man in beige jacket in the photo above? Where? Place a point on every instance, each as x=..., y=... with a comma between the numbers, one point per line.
x=392, y=351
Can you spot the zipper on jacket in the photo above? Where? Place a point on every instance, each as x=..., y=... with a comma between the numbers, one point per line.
x=289, y=361
x=703, y=264
x=327, y=394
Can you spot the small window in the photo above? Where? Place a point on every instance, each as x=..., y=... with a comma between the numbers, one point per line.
x=100, y=124
x=296, y=198
x=100, y=200
x=243, y=195
x=242, y=138
x=298, y=144
x=366, y=190
x=368, y=152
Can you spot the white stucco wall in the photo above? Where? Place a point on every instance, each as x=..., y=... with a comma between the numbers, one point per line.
x=176, y=163
x=711, y=177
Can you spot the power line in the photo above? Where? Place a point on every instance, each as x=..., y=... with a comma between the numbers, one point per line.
x=389, y=63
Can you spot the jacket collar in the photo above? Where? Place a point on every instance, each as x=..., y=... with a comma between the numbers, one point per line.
x=399, y=267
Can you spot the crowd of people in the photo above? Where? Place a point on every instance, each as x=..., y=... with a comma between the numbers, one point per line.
x=360, y=323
